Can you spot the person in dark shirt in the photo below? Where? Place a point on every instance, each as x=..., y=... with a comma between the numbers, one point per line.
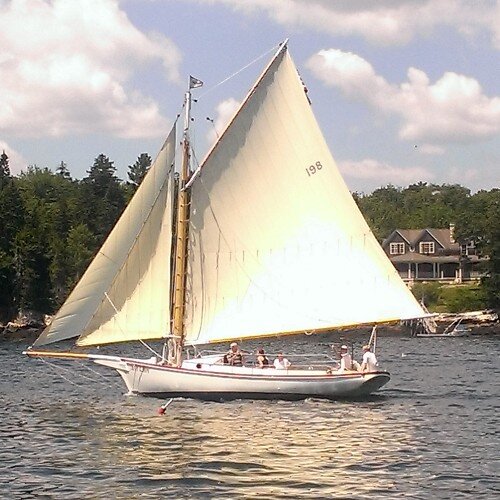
x=262, y=361
x=234, y=356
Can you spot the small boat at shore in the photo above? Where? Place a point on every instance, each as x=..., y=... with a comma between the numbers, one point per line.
x=455, y=329
x=262, y=239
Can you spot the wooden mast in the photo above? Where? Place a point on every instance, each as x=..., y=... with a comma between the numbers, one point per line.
x=181, y=232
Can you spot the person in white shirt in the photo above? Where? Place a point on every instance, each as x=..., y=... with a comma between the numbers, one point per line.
x=281, y=363
x=369, y=363
x=345, y=359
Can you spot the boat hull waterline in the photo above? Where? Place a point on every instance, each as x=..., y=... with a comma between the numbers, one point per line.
x=222, y=383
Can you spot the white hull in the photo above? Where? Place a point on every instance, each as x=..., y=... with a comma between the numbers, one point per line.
x=208, y=381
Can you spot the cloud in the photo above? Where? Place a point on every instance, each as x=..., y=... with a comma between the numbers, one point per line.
x=67, y=66
x=383, y=173
x=430, y=149
x=225, y=111
x=451, y=110
x=386, y=22
x=17, y=162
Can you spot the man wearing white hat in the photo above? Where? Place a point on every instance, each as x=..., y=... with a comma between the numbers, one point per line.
x=345, y=359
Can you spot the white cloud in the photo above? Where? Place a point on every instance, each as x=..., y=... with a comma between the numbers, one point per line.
x=17, y=162
x=430, y=149
x=453, y=109
x=225, y=111
x=66, y=68
x=379, y=174
x=382, y=21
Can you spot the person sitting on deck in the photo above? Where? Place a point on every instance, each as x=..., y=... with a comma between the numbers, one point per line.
x=345, y=359
x=281, y=363
x=370, y=363
x=262, y=361
x=234, y=356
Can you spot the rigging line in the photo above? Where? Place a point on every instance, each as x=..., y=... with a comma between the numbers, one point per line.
x=120, y=328
x=62, y=368
x=150, y=348
x=107, y=379
x=116, y=312
x=273, y=49
x=60, y=374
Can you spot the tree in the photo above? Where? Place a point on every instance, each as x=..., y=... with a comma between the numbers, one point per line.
x=4, y=167
x=139, y=169
x=62, y=170
x=102, y=197
x=11, y=220
x=81, y=247
x=490, y=283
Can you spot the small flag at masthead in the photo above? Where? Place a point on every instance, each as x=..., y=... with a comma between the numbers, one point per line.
x=194, y=83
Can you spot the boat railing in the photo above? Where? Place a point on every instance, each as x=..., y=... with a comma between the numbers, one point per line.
x=304, y=361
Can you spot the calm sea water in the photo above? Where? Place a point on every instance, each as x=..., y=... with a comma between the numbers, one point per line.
x=433, y=432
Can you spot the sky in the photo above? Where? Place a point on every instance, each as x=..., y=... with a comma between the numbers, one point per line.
x=404, y=90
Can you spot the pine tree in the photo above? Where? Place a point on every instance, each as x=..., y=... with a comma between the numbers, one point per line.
x=4, y=169
x=102, y=197
x=139, y=169
x=62, y=171
x=11, y=220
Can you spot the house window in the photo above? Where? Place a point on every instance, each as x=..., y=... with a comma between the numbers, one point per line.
x=468, y=249
x=397, y=248
x=426, y=247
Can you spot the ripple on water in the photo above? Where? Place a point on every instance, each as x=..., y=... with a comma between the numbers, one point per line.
x=432, y=433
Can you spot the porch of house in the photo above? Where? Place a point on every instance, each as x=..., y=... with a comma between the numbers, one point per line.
x=418, y=267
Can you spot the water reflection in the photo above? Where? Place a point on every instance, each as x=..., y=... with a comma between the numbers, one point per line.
x=241, y=448
x=421, y=439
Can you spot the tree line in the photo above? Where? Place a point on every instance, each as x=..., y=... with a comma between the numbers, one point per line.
x=476, y=218
x=51, y=225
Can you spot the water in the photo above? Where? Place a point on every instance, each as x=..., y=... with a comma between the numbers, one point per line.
x=431, y=433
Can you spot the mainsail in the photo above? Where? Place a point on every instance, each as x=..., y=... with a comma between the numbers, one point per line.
x=125, y=292
x=277, y=244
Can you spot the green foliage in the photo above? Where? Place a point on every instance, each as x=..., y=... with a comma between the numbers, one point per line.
x=476, y=217
x=439, y=297
x=482, y=224
x=428, y=293
x=4, y=168
x=52, y=225
x=63, y=171
x=101, y=197
x=139, y=169
x=11, y=220
x=417, y=206
x=456, y=299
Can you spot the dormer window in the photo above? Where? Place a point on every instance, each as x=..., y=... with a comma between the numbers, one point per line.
x=427, y=247
x=397, y=248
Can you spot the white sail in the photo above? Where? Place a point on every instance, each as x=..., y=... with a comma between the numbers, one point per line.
x=125, y=292
x=277, y=244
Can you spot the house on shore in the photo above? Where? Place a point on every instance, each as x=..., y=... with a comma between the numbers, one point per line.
x=432, y=254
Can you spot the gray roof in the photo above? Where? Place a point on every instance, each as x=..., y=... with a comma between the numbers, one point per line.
x=414, y=236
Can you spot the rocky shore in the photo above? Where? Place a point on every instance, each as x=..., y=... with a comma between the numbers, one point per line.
x=28, y=325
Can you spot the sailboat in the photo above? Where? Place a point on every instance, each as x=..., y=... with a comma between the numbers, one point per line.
x=263, y=239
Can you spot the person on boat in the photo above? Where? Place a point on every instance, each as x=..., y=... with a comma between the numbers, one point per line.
x=345, y=359
x=234, y=356
x=281, y=363
x=369, y=363
x=262, y=361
